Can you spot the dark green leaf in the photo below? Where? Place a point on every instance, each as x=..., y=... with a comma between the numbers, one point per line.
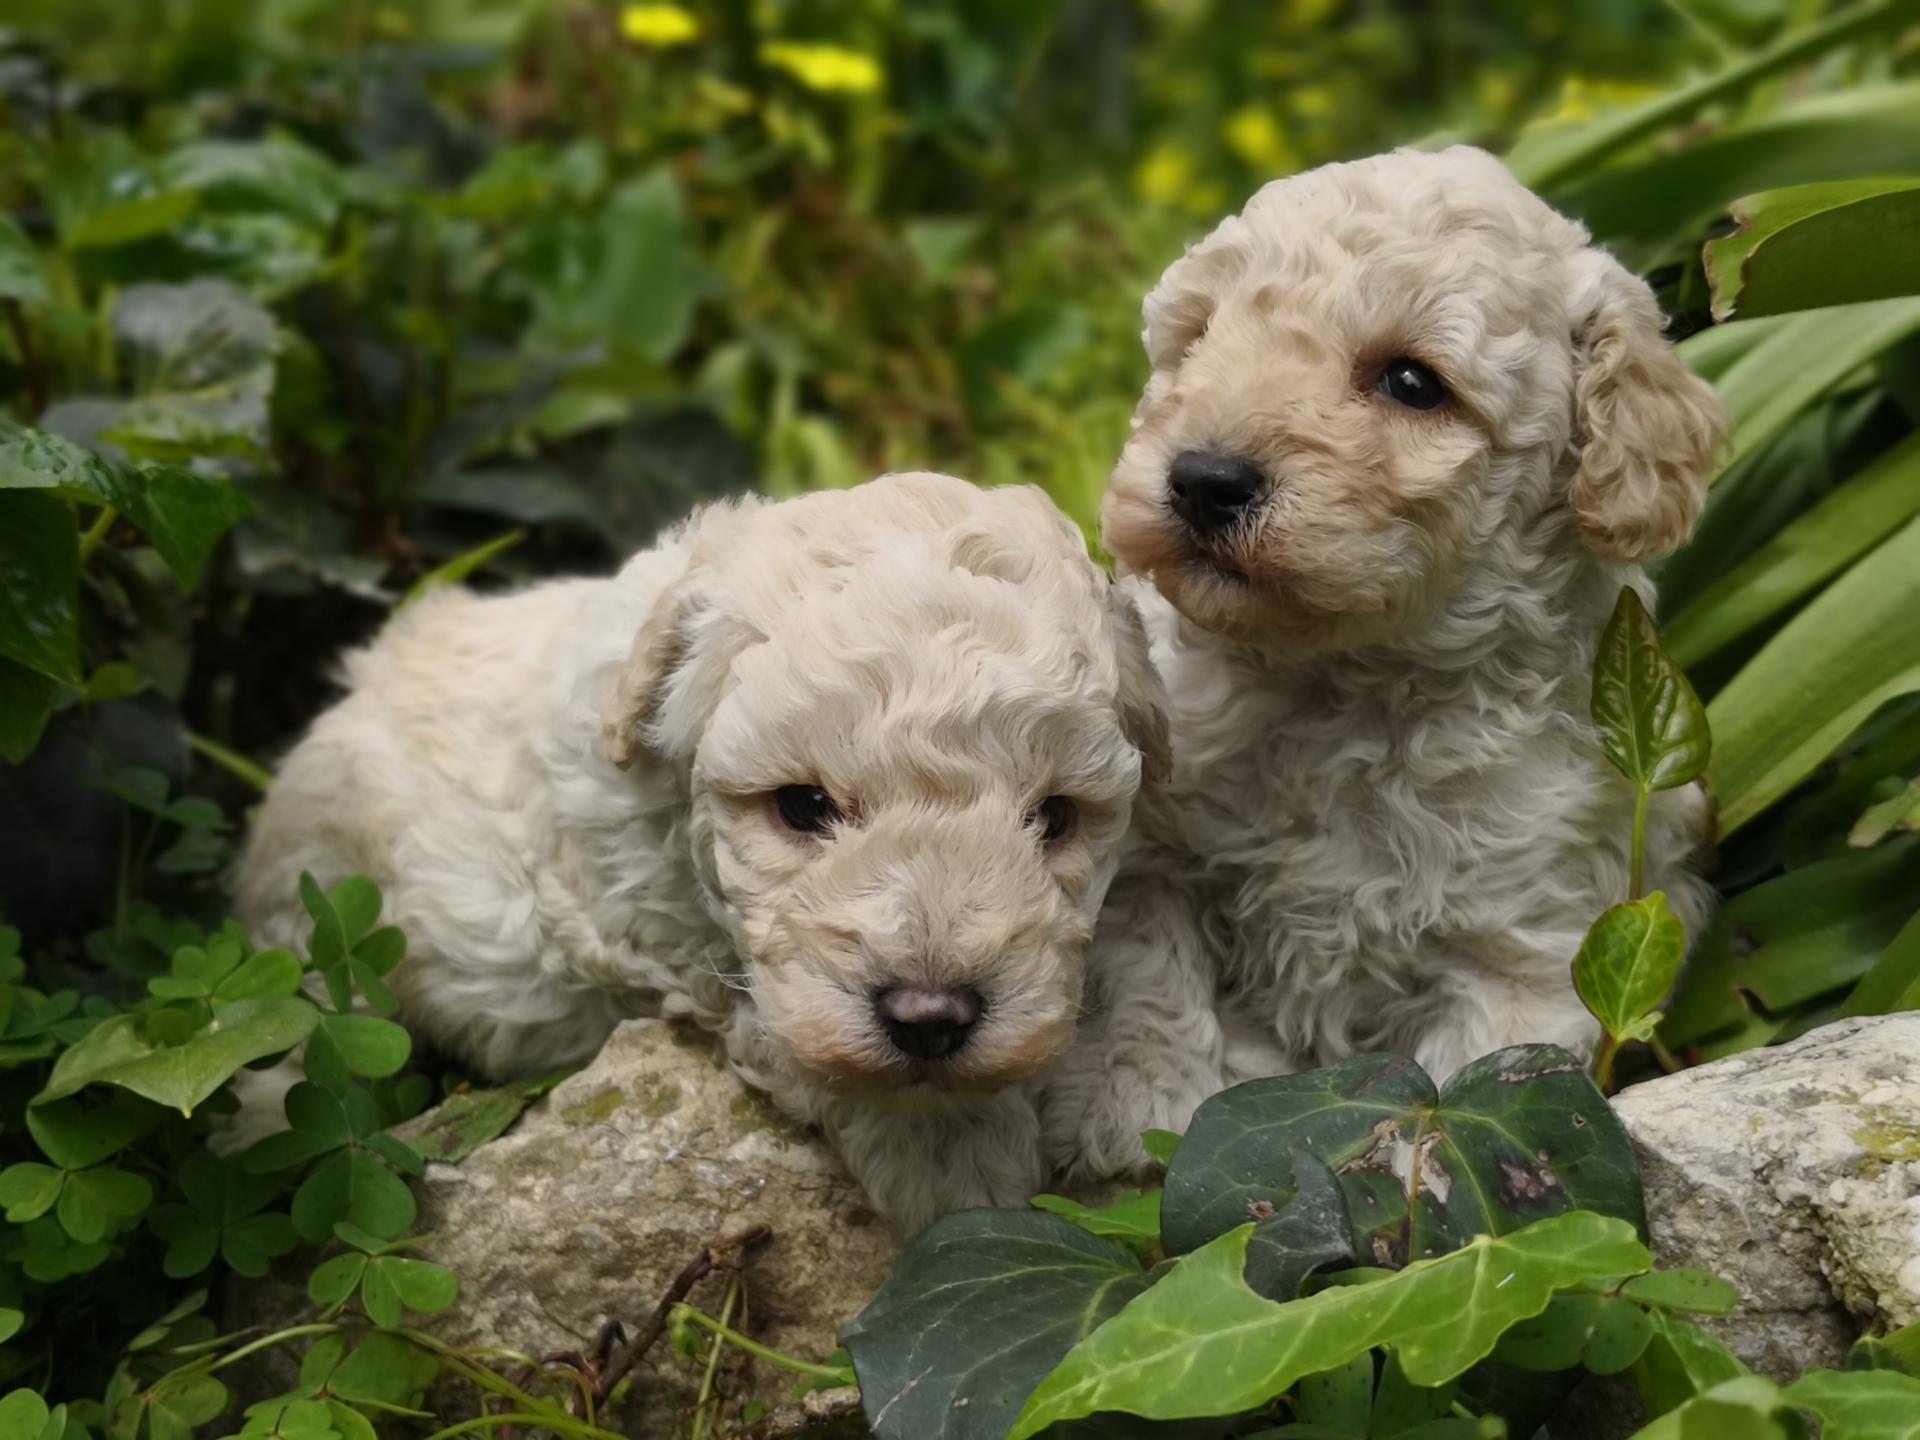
x=332, y=1284
x=352, y=1185
x=980, y=1307
x=1681, y=1361
x=39, y=573
x=1517, y=1135
x=1340, y=1400
x=1652, y=726
x=26, y=702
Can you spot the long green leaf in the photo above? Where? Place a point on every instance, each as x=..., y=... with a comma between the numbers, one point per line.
x=1798, y=360
x=1810, y=550
x=1886, y=987
x=1833, y=665
x=1832, y=243
x=1849, y=134
x=1548, y=159
x=1201, y=1342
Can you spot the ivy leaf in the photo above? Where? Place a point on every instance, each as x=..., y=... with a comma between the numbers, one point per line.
x=1628, y=964
x=1860, y=1404
x=181, y=1076
x=1160, y=1145
x=26, y=703
x=1133, y=1220
x=1601, y=1332
x=1652, y=725
x=95, y=1203
x=1681, y=1361
x=1201, y=1342
x=1516, y=1136
x=1694, y=1291
x=979, y=1309
x=1748, y=1406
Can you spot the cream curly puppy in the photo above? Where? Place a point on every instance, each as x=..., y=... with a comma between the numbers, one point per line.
x=843, y=779
x=1406, y=436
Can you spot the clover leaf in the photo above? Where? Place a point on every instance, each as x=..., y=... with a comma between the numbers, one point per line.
x=222, y=1216
x=354, y=1178
x=346, y=949
x=389, y=1283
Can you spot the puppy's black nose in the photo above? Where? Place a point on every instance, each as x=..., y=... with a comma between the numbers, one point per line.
x=1210, y=492
x=928, y=1022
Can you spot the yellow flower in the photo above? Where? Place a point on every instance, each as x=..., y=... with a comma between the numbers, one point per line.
x=1255, y=136
x=660, y=26
x=824, y=67
x=1163, y=173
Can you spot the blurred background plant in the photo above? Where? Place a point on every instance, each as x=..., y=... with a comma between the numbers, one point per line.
x=311, y=304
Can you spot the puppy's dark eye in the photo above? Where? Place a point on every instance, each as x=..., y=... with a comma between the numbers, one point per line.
x=1053, y=817
x=1409, y=383
x=806, y=808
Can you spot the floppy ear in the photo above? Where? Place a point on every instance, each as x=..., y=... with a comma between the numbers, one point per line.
x=660, y=649
x=1649, y=429
x=1141, y=699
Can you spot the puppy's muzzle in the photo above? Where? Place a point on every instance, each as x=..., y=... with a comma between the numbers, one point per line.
x=928, y=1022
x=1210, y=493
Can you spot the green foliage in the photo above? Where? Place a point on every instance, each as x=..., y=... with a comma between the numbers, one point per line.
x=307, y=310
x=1515, y=1136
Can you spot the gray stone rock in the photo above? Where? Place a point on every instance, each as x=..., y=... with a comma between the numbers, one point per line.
x=1795, y=1173
x=607, y=1187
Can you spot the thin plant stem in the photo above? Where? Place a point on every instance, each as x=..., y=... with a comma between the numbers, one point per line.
x=1637, y=868
x=755, y=1348
x=96, y=532
x=231, y=761
x=279, y=1337
x=1603, y=1058
x=700, y=1404
x=1669, y=1062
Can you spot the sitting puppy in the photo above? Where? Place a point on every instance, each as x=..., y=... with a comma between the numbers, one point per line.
x=1406, y=436
x=843, y=779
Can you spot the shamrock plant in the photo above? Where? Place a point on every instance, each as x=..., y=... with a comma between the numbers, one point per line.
x=113, y=1192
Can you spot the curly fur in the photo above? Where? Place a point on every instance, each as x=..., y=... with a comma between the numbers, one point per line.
x=1391, y=823
x=565, y=795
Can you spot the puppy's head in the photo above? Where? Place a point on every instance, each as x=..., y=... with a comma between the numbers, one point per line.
x=1376, y=373
x=912, y=718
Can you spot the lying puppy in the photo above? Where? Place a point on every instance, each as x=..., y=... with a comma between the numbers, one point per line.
x=843, y=779
x=1406, y=436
